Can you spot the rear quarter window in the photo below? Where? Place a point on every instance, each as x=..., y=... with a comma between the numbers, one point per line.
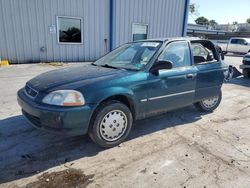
x=203, y=53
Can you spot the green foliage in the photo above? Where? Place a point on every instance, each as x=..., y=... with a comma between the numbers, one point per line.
x=213, y=23
x=248, y=20
x=192, y=8
x=202, y=21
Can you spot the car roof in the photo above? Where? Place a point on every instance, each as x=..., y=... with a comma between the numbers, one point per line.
x=239, y=38
x=247, y=39
x=172, y=39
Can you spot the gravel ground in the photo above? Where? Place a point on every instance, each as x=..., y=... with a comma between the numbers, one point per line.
x=183, y=148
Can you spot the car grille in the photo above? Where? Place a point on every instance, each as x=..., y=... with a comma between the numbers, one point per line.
x=33, y=119
x=30, y=92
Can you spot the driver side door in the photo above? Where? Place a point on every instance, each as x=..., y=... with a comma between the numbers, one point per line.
x=173, y=88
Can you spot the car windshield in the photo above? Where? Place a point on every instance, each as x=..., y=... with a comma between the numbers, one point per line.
x=132, y=56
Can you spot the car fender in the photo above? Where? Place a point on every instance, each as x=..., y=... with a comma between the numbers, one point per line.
x=101, y=95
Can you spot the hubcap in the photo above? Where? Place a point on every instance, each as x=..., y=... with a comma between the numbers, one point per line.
x=210, y=102
x=113, y=125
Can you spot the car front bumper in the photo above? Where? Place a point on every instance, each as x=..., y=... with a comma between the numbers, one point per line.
x=245, y=63
x=244, y=66
x=70, y=121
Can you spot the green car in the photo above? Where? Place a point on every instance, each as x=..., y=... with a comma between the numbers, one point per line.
x=135, y=81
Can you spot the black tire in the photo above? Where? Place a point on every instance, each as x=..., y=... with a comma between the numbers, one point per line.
x=204, y=108
x=246, y=73
x=96, y=132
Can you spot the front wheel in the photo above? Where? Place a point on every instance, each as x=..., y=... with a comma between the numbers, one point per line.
x=111, y=124
x=246, y=73
x=209, y=104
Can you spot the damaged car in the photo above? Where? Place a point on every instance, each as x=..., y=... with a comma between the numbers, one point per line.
x=135, y=81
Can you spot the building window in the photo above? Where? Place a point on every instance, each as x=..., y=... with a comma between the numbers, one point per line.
x=69, y=30
x=139, y=31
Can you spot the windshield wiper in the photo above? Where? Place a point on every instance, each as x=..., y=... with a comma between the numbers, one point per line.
x=113, y=67
x=109, y=66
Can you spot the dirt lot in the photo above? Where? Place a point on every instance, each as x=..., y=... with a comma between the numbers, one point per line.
x=183, y=148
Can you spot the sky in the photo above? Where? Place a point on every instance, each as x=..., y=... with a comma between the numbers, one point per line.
x=223, y=11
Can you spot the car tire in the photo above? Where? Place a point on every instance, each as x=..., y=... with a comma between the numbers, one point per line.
x=246, y=73
x=110, y=124
x=209, y=104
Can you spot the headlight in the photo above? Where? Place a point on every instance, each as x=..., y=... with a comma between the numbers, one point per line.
x=64, y=98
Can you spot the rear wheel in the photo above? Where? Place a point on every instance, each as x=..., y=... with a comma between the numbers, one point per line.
x=111, y=124
x=246, y=73
x=209, y=104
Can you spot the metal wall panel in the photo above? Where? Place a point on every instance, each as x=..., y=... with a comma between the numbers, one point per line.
x=24, y=26
x=24, y=29
x=164, y=18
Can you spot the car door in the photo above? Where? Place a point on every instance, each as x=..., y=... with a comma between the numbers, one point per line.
x=233, y=45
x=173, y=88
x=210, y=76
x=242, y=46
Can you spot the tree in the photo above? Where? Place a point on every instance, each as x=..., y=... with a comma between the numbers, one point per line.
x=248, y=20
x=235, y=23
x=212, y=23
x=202, y=21
x=193, y=10
x=234, y=26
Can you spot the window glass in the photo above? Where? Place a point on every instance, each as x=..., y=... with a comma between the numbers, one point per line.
x=201, y=54
x=130, y=56
x=241, y=41
x=146, y=55
x=199, y=50
x=234, y=41
x=69, y=30
x=127, y=55
x=178, y=53
x=139, y=31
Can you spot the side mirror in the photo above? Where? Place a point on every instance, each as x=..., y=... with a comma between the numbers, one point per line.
x=246, y=43
x=161, y=65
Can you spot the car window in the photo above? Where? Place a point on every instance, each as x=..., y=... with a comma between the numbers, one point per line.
x=199, y=50
x=127, y=55
x=201, y=54
x=234, y=41
x=178, y=53
x=146, y=55
x=130, y=56
x=241, y=41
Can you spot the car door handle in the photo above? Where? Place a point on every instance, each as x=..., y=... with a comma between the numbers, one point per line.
x=189, y=76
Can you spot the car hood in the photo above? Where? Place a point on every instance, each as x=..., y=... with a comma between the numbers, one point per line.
x=247, y=55
x=64, y=76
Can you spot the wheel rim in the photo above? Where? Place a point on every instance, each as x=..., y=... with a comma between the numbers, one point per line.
x=210, y=102
x=113, y=125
